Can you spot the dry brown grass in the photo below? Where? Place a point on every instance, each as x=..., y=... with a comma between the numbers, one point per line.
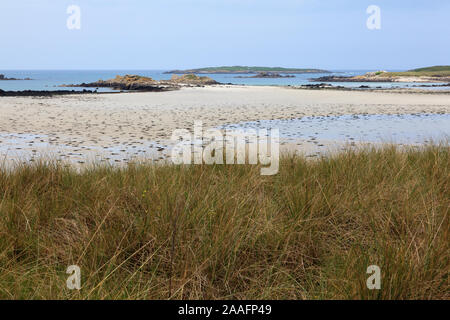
x=222, y=232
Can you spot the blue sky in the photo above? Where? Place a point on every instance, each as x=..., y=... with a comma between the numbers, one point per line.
x=167, y=34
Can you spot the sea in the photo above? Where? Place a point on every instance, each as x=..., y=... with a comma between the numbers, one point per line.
x=53, y=79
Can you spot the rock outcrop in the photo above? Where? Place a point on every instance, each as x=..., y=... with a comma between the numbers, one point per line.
x=127, y=82
x=190, y=79
x=384, y=76
x=2, y=77
x=368, y=77
x=140, y=83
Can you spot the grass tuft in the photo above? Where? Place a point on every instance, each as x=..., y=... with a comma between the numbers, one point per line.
x=226, y=232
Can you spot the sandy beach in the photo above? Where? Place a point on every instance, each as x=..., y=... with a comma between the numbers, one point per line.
x=122, y=126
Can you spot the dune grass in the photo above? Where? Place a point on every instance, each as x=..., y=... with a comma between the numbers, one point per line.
x=226, y=232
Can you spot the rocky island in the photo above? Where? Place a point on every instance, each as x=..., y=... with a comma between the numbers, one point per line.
x=189, y=79
x=141, y=83
x=3, y=77
x=430, y=74
x=246, y=70
x=262, y=75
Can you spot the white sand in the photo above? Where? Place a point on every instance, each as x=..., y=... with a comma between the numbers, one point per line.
x=135, y=121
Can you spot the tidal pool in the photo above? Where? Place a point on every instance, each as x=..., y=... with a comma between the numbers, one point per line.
x=397, y=128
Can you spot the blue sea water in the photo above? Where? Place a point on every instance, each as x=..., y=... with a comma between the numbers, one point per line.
x=52, y=79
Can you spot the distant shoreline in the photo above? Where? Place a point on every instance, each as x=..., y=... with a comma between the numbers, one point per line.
x=315, y=87
x=46, y=83
x=246, y=70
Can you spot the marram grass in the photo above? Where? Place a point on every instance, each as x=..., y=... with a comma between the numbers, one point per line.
x=226, y=232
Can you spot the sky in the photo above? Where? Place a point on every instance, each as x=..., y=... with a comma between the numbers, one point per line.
x=175, y=34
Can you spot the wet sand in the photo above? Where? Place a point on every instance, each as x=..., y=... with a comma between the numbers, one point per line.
x=120, y=127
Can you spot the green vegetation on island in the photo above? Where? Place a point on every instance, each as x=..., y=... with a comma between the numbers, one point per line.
x=430, y=74
x=436, y=71
x=246, y=69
